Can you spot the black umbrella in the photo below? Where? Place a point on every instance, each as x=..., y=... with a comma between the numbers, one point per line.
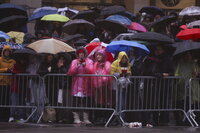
x=88, y=15
x=163, y=21
x=185, y=46
x=8, y=9
x=124, y=36
x=111, y=25
x=110, y=10
x=153, y=10
x=80, y=42
x=127, y=14
x=78, y=25
x=24, y=51
x=15, y=21
x=73, y=37
x=152, y=37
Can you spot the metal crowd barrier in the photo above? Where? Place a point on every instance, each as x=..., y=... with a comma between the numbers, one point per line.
x=151, y=94
x=194, y=99
x=100, y=94
x=19, y=93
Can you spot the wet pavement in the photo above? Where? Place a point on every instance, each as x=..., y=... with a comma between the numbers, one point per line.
x=68, y=128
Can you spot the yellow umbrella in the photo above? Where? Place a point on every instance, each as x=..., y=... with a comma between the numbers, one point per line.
x=51, y=46
x=18, y=37
x=55, y=17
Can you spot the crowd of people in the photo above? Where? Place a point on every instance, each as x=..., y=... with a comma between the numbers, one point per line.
x=159, y=62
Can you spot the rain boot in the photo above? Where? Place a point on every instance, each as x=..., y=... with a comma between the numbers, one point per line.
x=86, y=118
x=76, y=118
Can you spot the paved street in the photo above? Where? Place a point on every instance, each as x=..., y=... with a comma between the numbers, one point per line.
x=62, y=128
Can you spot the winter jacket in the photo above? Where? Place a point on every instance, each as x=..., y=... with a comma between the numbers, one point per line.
x=5, y=64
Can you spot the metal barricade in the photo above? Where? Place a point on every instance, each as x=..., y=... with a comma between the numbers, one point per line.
x=18, y=93
x=194, y=99
x=65, y=92
x=152, y=94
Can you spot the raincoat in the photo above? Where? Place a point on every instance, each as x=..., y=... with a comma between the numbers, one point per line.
x=81, y=85
x=102, y=84
x=186, y=69
x=6, y=63
x=115, y=66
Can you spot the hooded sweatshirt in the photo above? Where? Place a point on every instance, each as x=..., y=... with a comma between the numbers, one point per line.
x=6, y=63
x=116, y=68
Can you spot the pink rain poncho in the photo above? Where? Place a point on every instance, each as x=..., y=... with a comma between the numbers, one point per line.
x=81, y=86
x=102, y=85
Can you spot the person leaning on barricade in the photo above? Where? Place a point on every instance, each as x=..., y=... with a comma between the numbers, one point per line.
x=102, y=85
x=121, y=68
x=6, y=66
x=81, y=89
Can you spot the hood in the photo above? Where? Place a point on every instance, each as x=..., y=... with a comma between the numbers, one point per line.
x=101, y=51
x=120, y=55
x=6, y=47
x=83, y=49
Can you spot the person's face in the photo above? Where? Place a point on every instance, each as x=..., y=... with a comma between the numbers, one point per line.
x=124, y=59
x=49, y=58
x=81, y=55
x=6, y=53
x=99, y=57
x=159, y=51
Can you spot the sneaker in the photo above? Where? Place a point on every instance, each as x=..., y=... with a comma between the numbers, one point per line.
x=11, y=119
x=149, y=125
x=21, y=120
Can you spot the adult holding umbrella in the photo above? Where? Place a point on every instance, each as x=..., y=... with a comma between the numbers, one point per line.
x=187, y=68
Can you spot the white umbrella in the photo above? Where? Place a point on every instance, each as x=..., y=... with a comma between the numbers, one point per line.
x=190, y=11
x=51, y=46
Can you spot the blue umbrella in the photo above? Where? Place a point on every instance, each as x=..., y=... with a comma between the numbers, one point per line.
x=123, y=45
x=40, y=13
x=4, y=35
x=12, y=45
x=120, y=19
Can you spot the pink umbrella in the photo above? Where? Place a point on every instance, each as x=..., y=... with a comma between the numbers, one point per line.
x=137, y=27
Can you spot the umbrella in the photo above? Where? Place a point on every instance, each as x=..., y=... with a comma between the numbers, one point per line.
x=8, y=9
x=4, y=35
x=88, y=15
x=40, y=12
x=120, y=19
x=185, y=46
x=163, y=21
x=66, y=11
x=111, y=26
x=51, y=46
x=12, y=45
x=24, y=51
x=55, y=17
x=194, y=24
x=152, y=37
x=127, y=14
x=190, y=11
x=73, y=26
x=137, y=27
x=188, y=34
x=110, y=10
x=13, y=19
x=95, y=46
x=80, y=42
x=123, y=45
x=124, y=36
x=152, y=10
x=17, y=36
x=72, y=37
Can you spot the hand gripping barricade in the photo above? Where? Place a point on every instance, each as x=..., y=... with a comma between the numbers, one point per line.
x=152, y=94
x=194, y=99
x=80, y=93
x=17, y=92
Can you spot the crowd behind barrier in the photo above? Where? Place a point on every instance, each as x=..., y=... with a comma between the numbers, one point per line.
x=145, y=95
